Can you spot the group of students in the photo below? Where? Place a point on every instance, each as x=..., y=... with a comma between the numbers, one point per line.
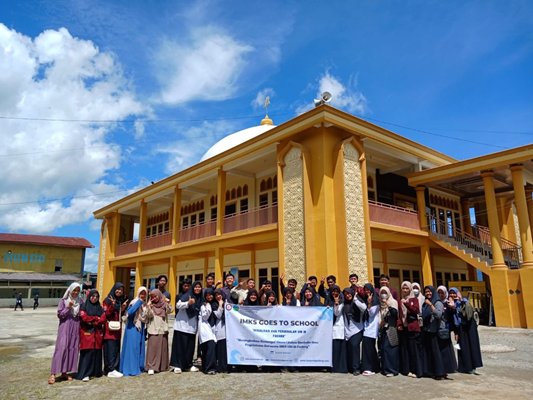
x=413, y=333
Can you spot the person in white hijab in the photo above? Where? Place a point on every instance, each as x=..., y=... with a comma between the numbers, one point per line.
x=72, y=302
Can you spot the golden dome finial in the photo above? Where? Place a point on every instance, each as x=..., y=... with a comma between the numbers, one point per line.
x=266, y=120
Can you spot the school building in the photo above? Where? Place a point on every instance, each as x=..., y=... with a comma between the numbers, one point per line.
x=328, y=193
x=43, y=265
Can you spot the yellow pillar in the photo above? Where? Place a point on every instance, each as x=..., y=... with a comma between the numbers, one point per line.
x=138, y=276
x=492, y=216
x=176, y=217
x=529, y=200
x=366, y=212
x=221, y=202
x=172, y=277
x=142, y=226
x=206, y=265
x=219, y=264
x=499, y=284
x=421, y=203
x=523, y=217
x=427, y=271
x=113, y=228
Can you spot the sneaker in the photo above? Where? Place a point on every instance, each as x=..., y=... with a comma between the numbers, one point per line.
x=194, y=369
x=411, y=375
x=389, y=375
x=177, y=370
x=356, y=373
x=115, y=374
x=368, y=373
x=86, y=379
x=211, y=373
x=151, y=372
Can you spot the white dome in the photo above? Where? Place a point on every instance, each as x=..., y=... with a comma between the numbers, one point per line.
x=235, y=139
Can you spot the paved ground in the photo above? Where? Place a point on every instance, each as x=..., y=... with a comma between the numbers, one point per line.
x=27, y=344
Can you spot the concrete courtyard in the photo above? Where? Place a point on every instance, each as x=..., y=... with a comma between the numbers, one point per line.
x=27, y=345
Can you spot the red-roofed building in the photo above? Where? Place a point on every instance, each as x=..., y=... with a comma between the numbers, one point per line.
x=43, y=265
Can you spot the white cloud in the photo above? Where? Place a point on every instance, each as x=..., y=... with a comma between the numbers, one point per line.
x=57, y=76
x=346, y=97
x=206, y=68
x=259, y=100
x=91, y=260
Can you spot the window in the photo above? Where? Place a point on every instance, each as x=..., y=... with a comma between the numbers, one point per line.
x=447, y=278
x=230, y=209
x=463, y=277
x=416, y=276
x=214, y=214
x=148, y=230
x=439, y=279
x=59, y=265
x=199, y=277
x=455, y=277
x=160, y=229
x=201, y=218
x=263, y=276
x=244, y=205
x=154, y=230
x=193, y=220
x=185, y=223
x=167, y=227
x=406, y=275
x=377, y=273
x=394, y=273
x=263, y=200
x=275, y=197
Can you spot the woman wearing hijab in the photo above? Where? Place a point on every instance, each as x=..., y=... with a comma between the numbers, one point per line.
x=185, y=327
x=68, y=334
x=432, y=312
x=206, y=332
x=114, y=305
x=289, y=299
x=157, y=309
x=310, y=298
x=133, y=352
x=92, y=326
x=270, y=299
x=252, y=298
x=333, y=300
x=466, y=335
x=445, y=341
x=388, y=333
x=353, y=311
x=370, y=360
x=410, y=336
x=220, y=331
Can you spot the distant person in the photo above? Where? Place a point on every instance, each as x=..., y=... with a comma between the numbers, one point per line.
x=19, y=302
x=292, y=283
x=162, y=285
x=36, y=301
x=384, y=280
x=68, y=334
x=312, y=283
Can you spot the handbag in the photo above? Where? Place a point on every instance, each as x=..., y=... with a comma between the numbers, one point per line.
x=392, y=334
x=114, y=325
x=420, y=320
x=443, y=333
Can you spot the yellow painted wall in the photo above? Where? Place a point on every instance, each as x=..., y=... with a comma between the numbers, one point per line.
x=72, y=258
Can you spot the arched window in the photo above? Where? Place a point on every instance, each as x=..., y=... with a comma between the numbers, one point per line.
x=370, y=182
x=193, y=207
x=239, y=191
x=275, y=181
x=202, y=205
x=245, y=190
x=227, y=195
x=269, y=183
x=233, y=193
x=262, y=186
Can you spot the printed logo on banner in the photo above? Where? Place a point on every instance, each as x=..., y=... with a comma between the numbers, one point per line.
x=233, y=359
x=228, y=307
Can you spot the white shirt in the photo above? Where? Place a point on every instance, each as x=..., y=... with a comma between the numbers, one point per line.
x=220, y=326
x=183, y=323
x=353, y=328
x=338, y=325
x=372, y=325
x=206, y=332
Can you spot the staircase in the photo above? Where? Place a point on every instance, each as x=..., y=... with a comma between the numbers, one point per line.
x=474, y=249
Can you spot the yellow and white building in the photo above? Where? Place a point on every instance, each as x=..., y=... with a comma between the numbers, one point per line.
x=328, y=193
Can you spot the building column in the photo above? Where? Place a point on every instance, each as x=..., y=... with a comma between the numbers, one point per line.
x=206, y=265
x=176, y=216
x=219, y=264
x=142, y=226
x=492, y=216
x=172, y=277
x=221, y=201
x=138, y=276
x=529, y=201
x=427, y=271
x=421, y=204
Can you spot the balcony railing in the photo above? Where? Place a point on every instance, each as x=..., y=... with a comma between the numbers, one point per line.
x=127, y=247
x=251, y=218
x=197, y=232
x=393, y=215
x=160, y=240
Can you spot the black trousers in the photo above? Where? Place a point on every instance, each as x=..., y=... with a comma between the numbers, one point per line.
x=35, y=305
x=182, y=350
x=19, y=305
x=209, y=356
x=111, y=355
x=90, y=363
x=416, y=353
x=353, y=353
x=222, y=356
x=370, y=358
x=339, y=356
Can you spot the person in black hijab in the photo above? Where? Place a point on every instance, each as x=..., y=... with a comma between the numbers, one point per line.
x=185, y=328
x=92, y=325
x=220, y=330
x=353, y=311
x=270, y=299
x=291, y=301
x=252, y=299
x=370, y=359
x=114, y=305
x=310, y=298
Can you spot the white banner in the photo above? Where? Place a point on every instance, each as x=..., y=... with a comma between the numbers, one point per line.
x=284, y=336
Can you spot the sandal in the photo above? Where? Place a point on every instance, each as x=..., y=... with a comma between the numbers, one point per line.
x=66, y=376
x=52, y=380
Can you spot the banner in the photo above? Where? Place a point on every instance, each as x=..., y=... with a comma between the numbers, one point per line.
x=283, y=336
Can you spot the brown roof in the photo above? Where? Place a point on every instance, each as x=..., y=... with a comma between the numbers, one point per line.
x=45, y=240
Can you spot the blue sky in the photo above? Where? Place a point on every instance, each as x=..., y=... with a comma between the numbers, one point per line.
x=458, y=68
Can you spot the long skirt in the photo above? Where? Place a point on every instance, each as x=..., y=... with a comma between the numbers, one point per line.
x=433, y=362
x=339, y=356
x=353, y=352
x=448, y=355
x=90, y=363
x=157, y=353
x=403, y=337
x=182, y=350
x=416, y=353
x=470, y=354
x=111, y=355
x=222, y=356
x=370, y=360
x=209, y=356
x=133, y=354
x=390, y=358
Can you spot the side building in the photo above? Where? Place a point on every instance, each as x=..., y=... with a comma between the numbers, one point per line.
x=43, y=265
x=329, y=193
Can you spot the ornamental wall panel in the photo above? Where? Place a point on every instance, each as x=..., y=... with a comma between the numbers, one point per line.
x=102, y=261
x=516, y=226
x=293, y=215
x=355, y=218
